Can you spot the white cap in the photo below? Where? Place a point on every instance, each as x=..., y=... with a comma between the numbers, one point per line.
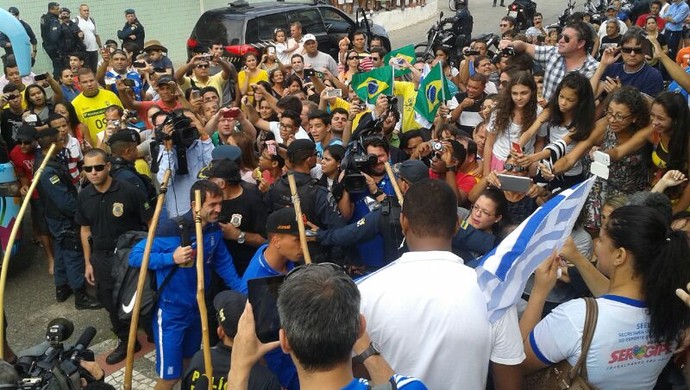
x=308, y=37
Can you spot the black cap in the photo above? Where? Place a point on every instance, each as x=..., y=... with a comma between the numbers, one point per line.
x=229, y=308
x=13, y=10
x=300, y=149
x=225, y=169
x=65, y=9
x=26, y=133
x=282, y=221
x=53, y=4
x=49, y=132
x=165, y=79
x=126, y=135
x=130, y=11
x=411, y=171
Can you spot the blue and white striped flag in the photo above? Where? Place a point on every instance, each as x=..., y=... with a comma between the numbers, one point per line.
x=504, y=271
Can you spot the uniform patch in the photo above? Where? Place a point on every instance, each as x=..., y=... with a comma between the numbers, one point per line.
x=146, y=206
x=118, y=209
x=361, y=222
x=54, y=179
x=464, y=224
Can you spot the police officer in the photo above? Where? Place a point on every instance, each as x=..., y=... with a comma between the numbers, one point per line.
x=60, y=196
x=51, y=32
x=385, y=220
x=123, y=150
x=107, y=208
x=318, y=204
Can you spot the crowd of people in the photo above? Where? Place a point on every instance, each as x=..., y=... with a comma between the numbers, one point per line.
x=543, y=109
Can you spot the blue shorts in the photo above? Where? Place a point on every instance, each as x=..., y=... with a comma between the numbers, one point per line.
x=177, y=336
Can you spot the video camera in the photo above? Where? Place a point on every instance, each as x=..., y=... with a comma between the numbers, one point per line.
x=183, y=135
x=57, y=367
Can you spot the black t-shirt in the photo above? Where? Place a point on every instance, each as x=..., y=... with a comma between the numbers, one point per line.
x=9, y=124
x=470, y=113
x=121, y=208
x=260, y=378
x=246, y=212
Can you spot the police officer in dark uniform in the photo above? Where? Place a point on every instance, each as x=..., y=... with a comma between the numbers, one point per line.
x=385, y=220
x=318, y=204
x=60, y=196
x=51, y=33
x=107, y=208
x=123, y=150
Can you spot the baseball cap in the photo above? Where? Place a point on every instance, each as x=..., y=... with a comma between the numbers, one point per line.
x=26, y=133
x=13, y=10
x=230, y=152
x=165, y=79
x=229, y=307
x=65, y=9
x=610, y=7
x=53, y=4
x=411, y=171
x=126, y=135
x=308, y=37
x=49, y=132
x=282, y=221
x=301, y=149
x=129, y=11
x=225, y=169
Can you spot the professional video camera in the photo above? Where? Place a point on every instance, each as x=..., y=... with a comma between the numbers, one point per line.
x=57, y=367
x=183, y=135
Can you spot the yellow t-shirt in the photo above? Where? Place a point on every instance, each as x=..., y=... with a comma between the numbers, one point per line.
x=340, y=103
x=24, y=106
x=262, y=75
x=216, y=81
x=142, y=167
x=91, y=110
x=406, y=91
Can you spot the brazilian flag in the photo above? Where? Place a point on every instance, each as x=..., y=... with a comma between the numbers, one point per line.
x=433, y=90
x=369, y=85
x=406, y=52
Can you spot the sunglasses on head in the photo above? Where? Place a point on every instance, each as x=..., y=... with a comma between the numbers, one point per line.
x=89, y=168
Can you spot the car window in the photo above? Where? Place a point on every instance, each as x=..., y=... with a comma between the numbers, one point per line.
x=262, y=27
x=216, y=25
x=335, y=21
x=310, y=19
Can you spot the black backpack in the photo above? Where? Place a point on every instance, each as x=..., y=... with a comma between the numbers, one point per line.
x=127, y=277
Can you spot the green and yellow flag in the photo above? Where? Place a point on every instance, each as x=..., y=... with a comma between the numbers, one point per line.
x=433, y=90
x=369, y=85
x=406, y=52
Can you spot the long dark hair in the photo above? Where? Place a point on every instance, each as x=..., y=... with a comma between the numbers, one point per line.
x=73, y=119
x=27, y=98
x=661, y=259
x=505, y=106
x=583, y=115
x=677, y=109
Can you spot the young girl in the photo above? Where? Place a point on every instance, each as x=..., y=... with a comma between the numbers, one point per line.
x=269, y=60
x=516, y=111
x=250, y=75
x=569, y=118
x=479, y=132
x=283, y=52
x=79, y=130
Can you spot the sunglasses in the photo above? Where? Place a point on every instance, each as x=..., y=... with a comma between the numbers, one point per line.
x=90, y=168
x=202, y=66
x=514, y=168
x=299, y=269
x=565, y=38
x=630, y=50
x=352, y=58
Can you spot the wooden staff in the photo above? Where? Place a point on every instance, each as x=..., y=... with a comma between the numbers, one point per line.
x=200, y=296
x=391, y=176
x=143, y=274
x=300, y=221
x=10, y=243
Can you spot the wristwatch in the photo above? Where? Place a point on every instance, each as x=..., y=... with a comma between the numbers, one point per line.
x=369, y=352
x=241, y=238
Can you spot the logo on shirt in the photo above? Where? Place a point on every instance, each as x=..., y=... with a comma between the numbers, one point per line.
x=639, y=352
x=118, y=209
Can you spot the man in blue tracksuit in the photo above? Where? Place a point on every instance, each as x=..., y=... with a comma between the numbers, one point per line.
x=177, y=324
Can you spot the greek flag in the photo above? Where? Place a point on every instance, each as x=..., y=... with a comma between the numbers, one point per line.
x=504, y=271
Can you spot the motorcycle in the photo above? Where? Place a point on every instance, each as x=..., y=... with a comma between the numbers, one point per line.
x=597, y=11
x=454, y=38
x=523, y=12
x=567, y=13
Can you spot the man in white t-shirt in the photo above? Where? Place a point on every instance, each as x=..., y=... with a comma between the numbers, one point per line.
x=426, y=310
x=288, y=107
x=92, y=41
x=316, y=59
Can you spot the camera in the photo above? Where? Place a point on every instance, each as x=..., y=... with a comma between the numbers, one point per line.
x=183, y=135
x=55, y=366
x=355, y=162
x=507, y=52
x=437, y=148
x=128, y=82
x=468, y=52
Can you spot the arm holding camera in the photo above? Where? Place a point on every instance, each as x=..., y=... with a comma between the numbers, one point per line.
x=445, y=165
x=253, y=116
x=182, y=70
x=57, y=91
x=126, y=98
x=518, y=46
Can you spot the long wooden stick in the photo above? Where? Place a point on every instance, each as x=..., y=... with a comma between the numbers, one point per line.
x=200, y=296
x=300, y=221
x=143, y=274
x=10, y=243
x=391, y=176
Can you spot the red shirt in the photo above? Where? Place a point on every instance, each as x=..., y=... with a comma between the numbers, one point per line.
x=464, y=181
x=24, y=165
x=642, y=21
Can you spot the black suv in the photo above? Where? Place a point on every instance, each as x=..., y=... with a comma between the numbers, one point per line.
x=247, y=28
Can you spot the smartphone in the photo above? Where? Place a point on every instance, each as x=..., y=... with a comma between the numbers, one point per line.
x=336, y=92
x=128, y=82
x=602, y=158
x=516, y=147
x=139, y=64
x=231, y=113
x=599, y=169
x=318, y=74
x=309, y=72
x=263, y=295
x=271, y=50
x=514, y=183
x=41, y=77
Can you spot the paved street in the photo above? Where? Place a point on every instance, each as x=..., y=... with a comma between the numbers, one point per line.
x=30, y=293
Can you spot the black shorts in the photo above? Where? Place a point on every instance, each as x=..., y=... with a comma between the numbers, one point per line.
x=39, y=225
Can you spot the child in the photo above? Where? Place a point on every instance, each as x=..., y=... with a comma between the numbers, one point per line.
x=74, y=153
x=283, y=52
